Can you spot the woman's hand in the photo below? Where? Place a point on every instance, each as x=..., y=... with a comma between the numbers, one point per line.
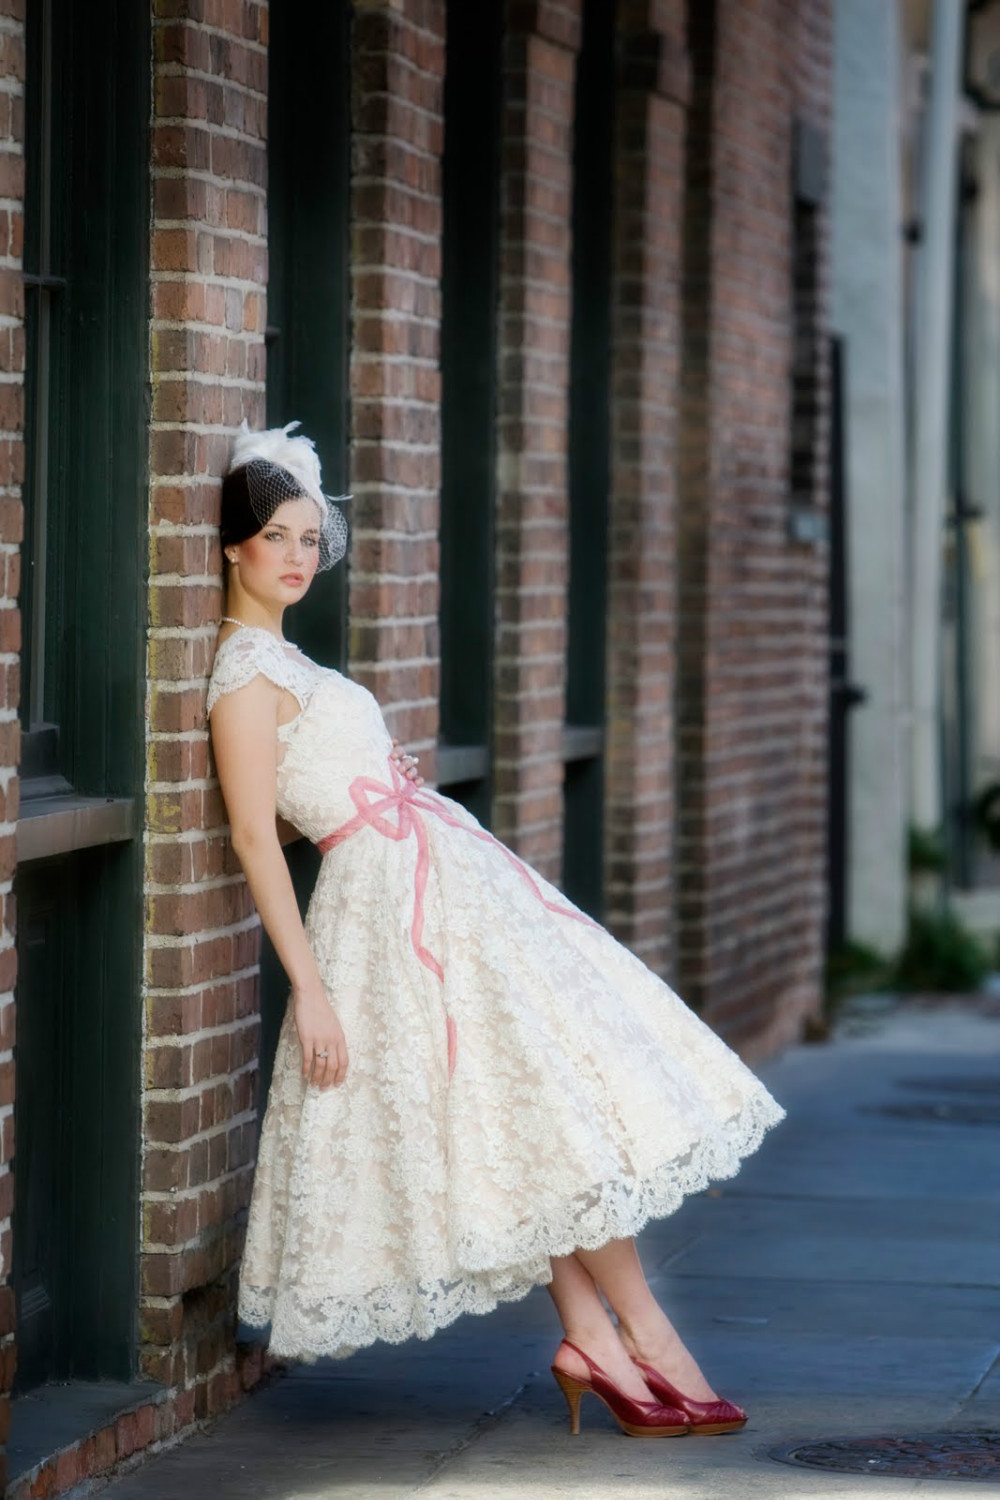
x=406, y=763
x=324, y=1046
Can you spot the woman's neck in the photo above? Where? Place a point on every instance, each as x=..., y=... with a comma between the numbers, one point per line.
x=247, y=612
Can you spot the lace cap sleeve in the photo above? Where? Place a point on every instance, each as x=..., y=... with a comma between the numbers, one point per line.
x=242, y=656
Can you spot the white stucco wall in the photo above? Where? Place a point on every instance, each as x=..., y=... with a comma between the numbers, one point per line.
x=868, y=312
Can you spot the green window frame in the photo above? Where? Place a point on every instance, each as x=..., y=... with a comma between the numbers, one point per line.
x=308, y=286
x=469, y=302
x=807, y=414
x=589, y=459
x=308, y=341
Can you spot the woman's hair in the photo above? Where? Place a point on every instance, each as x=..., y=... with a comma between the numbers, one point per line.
x=268, y=468
x=242, y=515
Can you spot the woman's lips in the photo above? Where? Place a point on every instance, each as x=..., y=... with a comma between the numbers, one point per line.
x=295, y=578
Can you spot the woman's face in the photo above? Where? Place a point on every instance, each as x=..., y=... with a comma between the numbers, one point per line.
x=278, y=563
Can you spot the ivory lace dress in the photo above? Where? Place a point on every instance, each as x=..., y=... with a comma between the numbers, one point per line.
x=519, y=1083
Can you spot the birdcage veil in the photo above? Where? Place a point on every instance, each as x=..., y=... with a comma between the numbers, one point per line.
x=278, y=468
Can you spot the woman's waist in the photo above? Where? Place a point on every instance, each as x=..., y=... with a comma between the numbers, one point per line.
x=322, y=800
x=388, y=805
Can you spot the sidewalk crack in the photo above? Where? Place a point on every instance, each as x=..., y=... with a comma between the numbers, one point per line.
x=994, y=1364
x=488, y=1422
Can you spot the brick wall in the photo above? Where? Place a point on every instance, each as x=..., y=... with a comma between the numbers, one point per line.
x=207, y=371
x=752, y=685
x=397, y=140
x=11, y=473
x=540, y=47
x=716, y=656
x=650, y=129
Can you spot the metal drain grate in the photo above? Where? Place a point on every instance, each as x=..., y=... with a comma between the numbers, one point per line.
x=922, y=1455
x=955, y=1112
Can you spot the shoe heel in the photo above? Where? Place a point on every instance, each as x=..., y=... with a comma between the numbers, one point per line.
x=572, y=1390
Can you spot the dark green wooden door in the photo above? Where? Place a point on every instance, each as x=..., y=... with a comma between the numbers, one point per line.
x=470, y=280
x=41, y=1160
x=79, y=880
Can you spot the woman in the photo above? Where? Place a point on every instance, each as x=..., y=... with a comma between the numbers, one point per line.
x=476, y=1089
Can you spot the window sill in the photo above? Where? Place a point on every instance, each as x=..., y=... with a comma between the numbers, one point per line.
x=457, y=764
x=582, y=742
x=62, y=822
x=50, y=1418
x=461, y=763
x=807, y=525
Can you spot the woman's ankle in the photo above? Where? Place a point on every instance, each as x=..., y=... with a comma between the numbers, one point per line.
x=577, y=1355
x=638, y=1341
x=590, y=1340
x=670, y=1357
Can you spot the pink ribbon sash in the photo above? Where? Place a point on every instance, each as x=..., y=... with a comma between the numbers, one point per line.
x=395, y=809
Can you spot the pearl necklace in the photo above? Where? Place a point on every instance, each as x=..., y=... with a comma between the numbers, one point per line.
x=232, y=620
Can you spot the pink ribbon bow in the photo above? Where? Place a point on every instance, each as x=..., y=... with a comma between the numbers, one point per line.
x=395, y=811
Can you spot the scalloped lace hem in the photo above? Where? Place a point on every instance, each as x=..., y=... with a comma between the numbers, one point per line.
x=308, y=1328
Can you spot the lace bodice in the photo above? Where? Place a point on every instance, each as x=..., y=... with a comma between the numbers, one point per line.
x=252, y=649
x=338, y=734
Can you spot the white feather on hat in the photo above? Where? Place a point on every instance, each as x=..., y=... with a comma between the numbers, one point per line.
x=296, y=454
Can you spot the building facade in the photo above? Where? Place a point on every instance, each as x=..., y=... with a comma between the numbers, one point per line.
x=547, y=281
x=916, y=304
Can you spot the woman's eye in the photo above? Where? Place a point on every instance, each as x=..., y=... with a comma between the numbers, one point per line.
x=279, y=536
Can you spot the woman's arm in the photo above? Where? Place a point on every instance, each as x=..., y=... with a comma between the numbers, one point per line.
x=244, y=740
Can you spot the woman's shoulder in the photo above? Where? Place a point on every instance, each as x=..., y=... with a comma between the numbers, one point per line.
x=248, y=640
x=250, y=651
x=244, y=649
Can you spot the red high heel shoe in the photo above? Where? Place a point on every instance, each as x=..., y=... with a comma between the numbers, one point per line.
x=637, y=1418
x=704, y=1417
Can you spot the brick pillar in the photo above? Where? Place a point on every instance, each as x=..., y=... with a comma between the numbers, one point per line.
x=752, y=637
x=11, y=517
x=651, y=97
x=532, y=533
x=202, y=936
x=396, y=147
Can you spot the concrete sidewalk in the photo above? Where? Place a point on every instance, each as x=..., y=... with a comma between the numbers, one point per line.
x=846, y=1283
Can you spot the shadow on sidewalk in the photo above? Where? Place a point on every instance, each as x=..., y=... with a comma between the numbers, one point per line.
x=847, y=1282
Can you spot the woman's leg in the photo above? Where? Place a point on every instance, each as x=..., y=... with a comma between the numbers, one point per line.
x=643, y=1327
x=585, y=1320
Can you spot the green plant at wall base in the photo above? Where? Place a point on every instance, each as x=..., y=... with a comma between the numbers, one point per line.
x=853, y=968
x=985, y=813
x=925, y=850
x=940, y=954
